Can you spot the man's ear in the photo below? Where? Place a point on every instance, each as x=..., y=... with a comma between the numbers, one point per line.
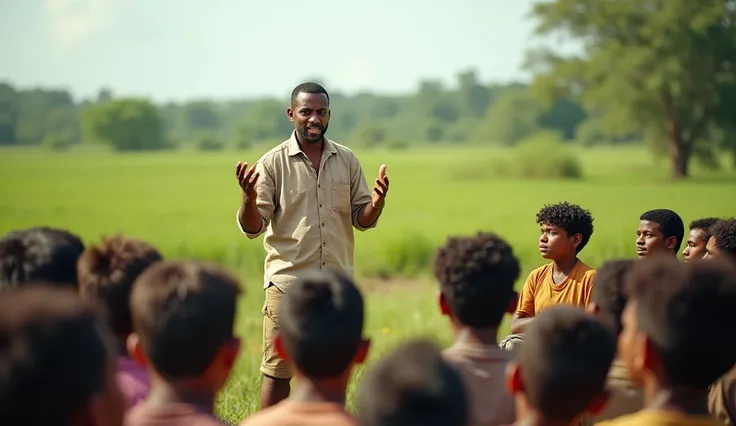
x=231, y=351
x=290, y=114
x=577, y=239
x=135, y=350
x=513, y=304
x=671, y=243
x=445, y=308
x=278, y=344
x=599, y=403
x=362, y=353
x=514, y=384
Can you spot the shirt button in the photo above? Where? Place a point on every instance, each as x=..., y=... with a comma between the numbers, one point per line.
x=318, y=186
x=324, y=244
x=323, y=263
x=323, y=225
x=320, y=206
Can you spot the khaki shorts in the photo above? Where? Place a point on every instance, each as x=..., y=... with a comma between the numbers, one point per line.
x=272, y=365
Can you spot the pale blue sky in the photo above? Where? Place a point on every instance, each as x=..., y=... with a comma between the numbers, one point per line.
x=224, y=49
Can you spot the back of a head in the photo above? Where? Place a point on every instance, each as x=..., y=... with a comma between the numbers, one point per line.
x=609, y=291
x=687, y=311
x=565, y=361
x=106, y=273
x=670, y=223
x=724, y=232
x=183, y=312
x=322, y=323
x=54, y=356
x=411, y=386
x=39, y=254
x=477, y=276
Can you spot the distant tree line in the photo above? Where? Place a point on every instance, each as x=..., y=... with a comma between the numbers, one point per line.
x=660, y=71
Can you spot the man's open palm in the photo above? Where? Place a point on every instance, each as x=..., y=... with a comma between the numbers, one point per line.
x=380, y=189
x=247, y=179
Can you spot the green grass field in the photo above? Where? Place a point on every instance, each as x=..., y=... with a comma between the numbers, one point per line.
x=185, y=203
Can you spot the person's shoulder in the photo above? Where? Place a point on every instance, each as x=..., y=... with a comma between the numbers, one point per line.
x=342, y=150
x=586, y=272
x=275, y=152
x=540, y=272
x=263, y=417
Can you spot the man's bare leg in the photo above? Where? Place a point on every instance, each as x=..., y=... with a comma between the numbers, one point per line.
x=274, y=390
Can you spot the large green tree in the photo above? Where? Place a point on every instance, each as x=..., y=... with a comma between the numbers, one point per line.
x=124, y=124
x=664, y=68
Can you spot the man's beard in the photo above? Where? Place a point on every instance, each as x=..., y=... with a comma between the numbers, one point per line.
x=313, y=139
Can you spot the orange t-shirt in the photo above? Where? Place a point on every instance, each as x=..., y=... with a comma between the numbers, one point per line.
x=540, y=292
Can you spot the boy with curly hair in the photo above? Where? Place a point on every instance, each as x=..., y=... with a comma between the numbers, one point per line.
x=723, y=239
x=697, y=238
x=565, y=230
x=477, y=276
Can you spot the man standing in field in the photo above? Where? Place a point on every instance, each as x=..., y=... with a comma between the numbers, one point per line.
x=306, y=195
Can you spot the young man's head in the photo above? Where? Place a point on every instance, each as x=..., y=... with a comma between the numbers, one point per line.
x=39, y=254
x=183, y=316
x=677, y=322
x=697, y=238
x=413, y=385
x=561, y=369
x=106, y=273
x=321, y=326
x=56, y=361
x=476, y=276
x=722, y=242
x=609, y=292
x=310, y=112
x=660, y=231
x=566, y=230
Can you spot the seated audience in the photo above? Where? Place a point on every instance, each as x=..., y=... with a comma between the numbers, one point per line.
x=57, y=366
x=106, y=273
x=560, y=374
x=476, y=277
x=183, y=316
x=413, y=385
x=39, y=254
x=673, y=338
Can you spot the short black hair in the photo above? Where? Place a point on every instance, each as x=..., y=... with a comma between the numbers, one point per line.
x=413, y=385
x=39, y=254
x=106, y=272
x=184, y=312
x=725, y=233
x=54, y=354
x=609, y=291
x=321, y=323
x=308, y=87
x=687, y=310
x=477, y=276
x=564, y=361
x=670, y=223
x=704, y=225
x=570, y=217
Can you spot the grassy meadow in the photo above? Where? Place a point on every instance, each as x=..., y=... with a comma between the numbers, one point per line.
x=185, y=203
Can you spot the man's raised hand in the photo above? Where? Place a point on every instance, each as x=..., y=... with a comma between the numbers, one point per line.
x=380, y=189
x=247, y=179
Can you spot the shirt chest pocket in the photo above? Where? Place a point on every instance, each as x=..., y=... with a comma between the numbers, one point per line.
x=341, y=198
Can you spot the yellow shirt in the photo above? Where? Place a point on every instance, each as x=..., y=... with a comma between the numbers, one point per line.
x=660, y=418
x=540, y=292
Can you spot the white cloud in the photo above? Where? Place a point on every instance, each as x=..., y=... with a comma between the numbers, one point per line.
x=71, y=22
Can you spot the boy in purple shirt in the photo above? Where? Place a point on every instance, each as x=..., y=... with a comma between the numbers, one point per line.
x=106, y=273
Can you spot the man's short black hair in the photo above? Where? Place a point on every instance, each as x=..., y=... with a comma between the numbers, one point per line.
x=308, y=87
x=39, y=254
x=413, y=385
x=670, y=223
x=687, y=310
x=570, y=217
x=564, y=361
x=609, y=291
x=53, y=355
x=477, y=276
x=322, y=323
x=725, y=233
x=184, y=312
x=704, y=225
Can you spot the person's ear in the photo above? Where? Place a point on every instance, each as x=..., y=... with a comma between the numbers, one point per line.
x=445, y=308
x=593, y=308
x=231, y=351
x=577, y=239
x=513, y=303
x=599, y=403
x=671, y=243
x=514, y=384
x=290, y=114
x=362, y=353
x=135, y=350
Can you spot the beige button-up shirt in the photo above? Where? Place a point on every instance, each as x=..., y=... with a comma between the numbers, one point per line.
x=308, y=218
